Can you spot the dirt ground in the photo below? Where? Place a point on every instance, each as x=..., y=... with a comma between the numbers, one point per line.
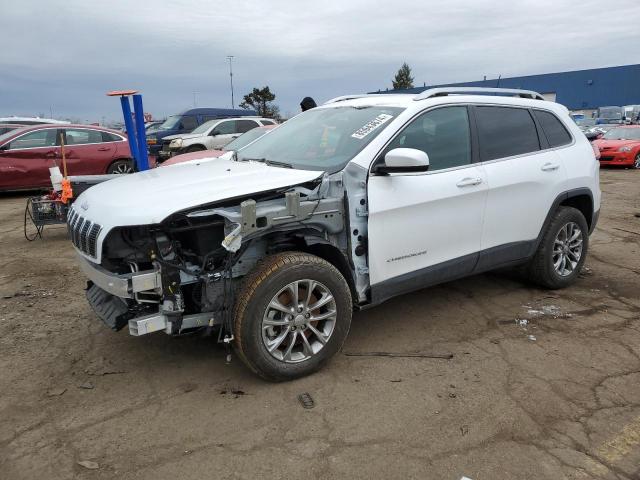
x=542, y=385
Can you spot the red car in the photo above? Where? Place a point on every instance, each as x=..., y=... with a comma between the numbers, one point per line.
x=240, y=142
x=27, y=153
x=620, y=146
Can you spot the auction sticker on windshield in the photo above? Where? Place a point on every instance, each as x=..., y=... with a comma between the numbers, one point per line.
x=371, y=126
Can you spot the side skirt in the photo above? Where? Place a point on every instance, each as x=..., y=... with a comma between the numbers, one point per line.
x=507, y=255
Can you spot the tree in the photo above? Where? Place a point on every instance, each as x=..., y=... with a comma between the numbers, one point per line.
x=403, y=78
x=260, y=100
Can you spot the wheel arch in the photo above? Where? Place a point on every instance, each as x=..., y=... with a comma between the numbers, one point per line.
x=194, y=146
x=313, y=242
x=579, y=198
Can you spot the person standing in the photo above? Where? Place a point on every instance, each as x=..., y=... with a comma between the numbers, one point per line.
x=307, y=103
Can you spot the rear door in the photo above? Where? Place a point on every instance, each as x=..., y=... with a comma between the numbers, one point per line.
x=25, y=161
x=86, y=153
x=524, y=178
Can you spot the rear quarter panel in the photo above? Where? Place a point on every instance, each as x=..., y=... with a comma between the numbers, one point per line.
x=583, y=169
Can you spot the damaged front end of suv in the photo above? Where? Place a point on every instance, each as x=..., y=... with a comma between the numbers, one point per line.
x=183, y=273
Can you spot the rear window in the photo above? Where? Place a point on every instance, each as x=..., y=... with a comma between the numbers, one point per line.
x=110, y=137
x=505, y=132
x=553, y=129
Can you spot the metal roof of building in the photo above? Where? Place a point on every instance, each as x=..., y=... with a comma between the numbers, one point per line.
x=577, y=90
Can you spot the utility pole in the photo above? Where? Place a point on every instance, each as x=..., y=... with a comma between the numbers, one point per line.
x=194, y=99
x=230, y=58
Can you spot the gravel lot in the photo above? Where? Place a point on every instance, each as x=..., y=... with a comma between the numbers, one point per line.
x=542, y=384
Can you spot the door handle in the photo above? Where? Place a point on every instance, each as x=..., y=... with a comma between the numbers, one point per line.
x=103, y=149
x=51, y=155
x=469, y=182
x=549, y=167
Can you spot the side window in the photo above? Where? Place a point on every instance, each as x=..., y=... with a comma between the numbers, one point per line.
x=505, y=132
x=225, y=128
x=443, y=134
x=188, y=122
x=39, y=138
x=553, y=129
x=243, y=126
x=110, y=137
x=267, y=122
x=81, y=136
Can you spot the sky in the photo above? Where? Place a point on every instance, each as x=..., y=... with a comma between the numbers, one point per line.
x=61, y=57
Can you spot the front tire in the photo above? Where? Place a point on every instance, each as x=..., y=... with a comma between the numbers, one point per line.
x=636, y=162
x=562, y=250
x=292, y=315
x=195, y=148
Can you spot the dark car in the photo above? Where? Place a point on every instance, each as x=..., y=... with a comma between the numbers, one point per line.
x=26, y=154
x=187, y=121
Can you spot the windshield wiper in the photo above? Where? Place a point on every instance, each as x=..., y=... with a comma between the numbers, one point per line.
x=271, y=163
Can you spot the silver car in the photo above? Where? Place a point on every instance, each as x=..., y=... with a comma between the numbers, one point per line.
x=211, y=135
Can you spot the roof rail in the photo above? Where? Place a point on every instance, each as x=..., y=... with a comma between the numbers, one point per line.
x=444, y=91
x=345, y=97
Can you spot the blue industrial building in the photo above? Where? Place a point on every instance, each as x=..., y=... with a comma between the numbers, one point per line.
x=577, y=90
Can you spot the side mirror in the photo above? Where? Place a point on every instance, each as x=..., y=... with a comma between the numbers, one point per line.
x=214, y=133
x=403, y=160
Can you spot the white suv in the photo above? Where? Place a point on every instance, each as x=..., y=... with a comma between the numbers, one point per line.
x=211, y=135
x=342, y=207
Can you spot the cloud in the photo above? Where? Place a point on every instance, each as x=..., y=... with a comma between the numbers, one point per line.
x=67, y=54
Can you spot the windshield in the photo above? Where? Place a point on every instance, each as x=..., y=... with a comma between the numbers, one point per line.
x=245, y=139
x=205, y=126
x=321, y=138
x=623, y=134
x=170, y=123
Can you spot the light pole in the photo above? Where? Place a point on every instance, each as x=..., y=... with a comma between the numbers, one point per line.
x=230, y=57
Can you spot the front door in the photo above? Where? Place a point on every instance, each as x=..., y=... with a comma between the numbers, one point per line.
x=426, y=228
x=222, y=134
x=25, y=161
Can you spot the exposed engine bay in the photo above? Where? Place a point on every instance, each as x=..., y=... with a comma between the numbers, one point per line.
x=183, y=273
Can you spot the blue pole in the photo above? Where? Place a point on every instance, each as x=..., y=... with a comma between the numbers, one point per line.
x=143, y=159
x=131, y=132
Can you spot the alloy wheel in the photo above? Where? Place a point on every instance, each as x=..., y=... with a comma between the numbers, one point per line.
x=123, y=168
x=636, y=163
x=298, y=321
x=567, y=249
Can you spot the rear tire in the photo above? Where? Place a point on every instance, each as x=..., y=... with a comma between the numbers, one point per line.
x=562, y=250
x=275, y=334
x=121, y=167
